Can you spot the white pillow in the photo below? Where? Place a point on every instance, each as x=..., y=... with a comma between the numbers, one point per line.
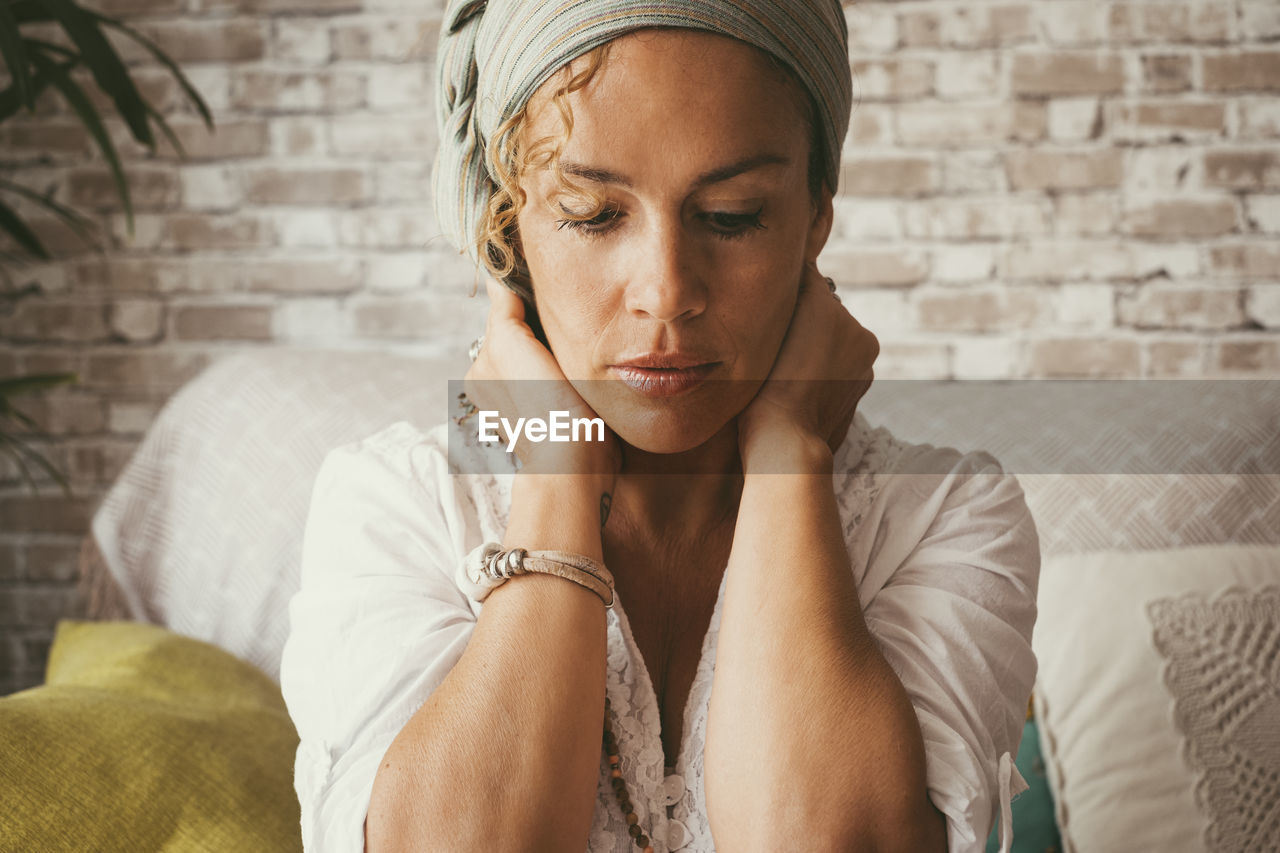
x=1158, y=696
x=202, y=531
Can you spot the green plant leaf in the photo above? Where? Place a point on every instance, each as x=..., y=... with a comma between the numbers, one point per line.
x=25, y=11
x=35, y=382
x=78, y=222
x=160, y=56
x=15, y=56
x=30, y=11
x=13, y=413
x=167, y=131
x=109, y=72
x=11, y=99
x=18, y=230
x=58, y=75
x=17, y=449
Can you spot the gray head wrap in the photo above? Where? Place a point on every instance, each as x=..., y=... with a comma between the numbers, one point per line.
x=494, y=55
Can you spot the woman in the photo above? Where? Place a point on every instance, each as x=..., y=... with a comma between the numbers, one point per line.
x=797, y=667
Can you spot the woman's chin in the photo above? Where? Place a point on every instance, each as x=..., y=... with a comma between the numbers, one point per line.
x=672, y=425
x=662, y=441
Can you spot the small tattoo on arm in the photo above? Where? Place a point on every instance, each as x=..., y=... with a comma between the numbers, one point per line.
x=606, y=504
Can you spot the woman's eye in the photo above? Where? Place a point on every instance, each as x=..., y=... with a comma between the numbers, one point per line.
x=731, y=225
x=598, y=224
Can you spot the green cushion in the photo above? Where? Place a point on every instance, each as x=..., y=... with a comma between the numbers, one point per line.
x=1034, y=827
x=142, y=739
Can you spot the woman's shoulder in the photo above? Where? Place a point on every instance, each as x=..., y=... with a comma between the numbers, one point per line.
x=441, y=464
x=894, y=494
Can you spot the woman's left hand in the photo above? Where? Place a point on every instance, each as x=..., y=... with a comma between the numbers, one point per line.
x=823, y=368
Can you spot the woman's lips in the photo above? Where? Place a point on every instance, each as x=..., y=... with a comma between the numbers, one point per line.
x=663, y=381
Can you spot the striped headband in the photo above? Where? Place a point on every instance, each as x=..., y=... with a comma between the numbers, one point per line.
x=494, y=55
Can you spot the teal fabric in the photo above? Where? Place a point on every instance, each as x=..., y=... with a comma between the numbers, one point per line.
x=1034, y=827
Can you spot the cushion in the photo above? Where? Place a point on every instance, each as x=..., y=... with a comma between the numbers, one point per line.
x=202, y=530
x=1158, y=697
x=142, y=739
x=1105, y=464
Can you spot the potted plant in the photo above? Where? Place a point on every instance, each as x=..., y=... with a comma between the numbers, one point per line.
x=34, y=64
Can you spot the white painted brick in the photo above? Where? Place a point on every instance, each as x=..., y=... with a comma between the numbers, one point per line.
x=311, y=320
x=867, y=219
x=148, y=230
x=301, y=227
x=52, y=276
x=1063, y=260
x=213, y=187
x=1263, y=213
x=1260, y=19
x=403, y=182
x=973, y=172
x=1162, y=169
x=962, y=262
x=1071, y=23
x=869, y=124
x=383, y=136
x=294, y=136
x=968, y=74
x=970, y=218
x=451, y=271
x=137, y=319
x=396, y=86
x=388, y=228
x=304, y=41
x=1074, y=119
x=1262, y=303
x=213, y=82
x=985, y=357
x=1175, y=260
x=133, y=417
x=1085, y=306
x=387, y=272
x=885, y=311
x=872, y=27
x=1258, y=117
x=440, y=269
x=915, y=358
x=404, y=37
x=1086, y=214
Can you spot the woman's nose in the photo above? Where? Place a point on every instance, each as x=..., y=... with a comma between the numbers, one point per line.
x=664, y=283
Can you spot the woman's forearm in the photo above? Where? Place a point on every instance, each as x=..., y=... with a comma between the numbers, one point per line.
x=505, y=753
x=810, y=734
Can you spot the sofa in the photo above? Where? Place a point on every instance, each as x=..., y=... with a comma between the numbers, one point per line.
x=1154, y=723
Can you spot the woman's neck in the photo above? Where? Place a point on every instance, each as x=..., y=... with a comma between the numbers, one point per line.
x=694, y=490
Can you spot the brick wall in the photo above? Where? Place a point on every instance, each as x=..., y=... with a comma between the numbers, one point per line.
x=1031, y=189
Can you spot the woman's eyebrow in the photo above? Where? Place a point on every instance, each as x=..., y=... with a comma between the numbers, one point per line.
x=722, y=173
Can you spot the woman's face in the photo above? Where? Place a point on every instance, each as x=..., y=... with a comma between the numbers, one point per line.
x=689, y=276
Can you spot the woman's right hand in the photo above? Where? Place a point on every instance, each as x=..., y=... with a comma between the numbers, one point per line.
x=517, y=376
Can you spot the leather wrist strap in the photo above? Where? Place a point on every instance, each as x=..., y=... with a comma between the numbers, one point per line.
x=488, y=566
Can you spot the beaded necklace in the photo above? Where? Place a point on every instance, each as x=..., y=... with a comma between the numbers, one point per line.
x=620, y=786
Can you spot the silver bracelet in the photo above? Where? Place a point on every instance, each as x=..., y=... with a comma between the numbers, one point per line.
x=489, y=566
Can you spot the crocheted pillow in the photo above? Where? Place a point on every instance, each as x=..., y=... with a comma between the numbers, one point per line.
x=1158, y=697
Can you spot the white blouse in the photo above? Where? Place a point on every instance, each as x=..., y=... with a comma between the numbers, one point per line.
x=946, y=564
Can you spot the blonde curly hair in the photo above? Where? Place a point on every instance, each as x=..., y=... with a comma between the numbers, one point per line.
x=508, y=159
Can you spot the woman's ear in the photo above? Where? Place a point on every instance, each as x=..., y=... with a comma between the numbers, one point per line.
x=819, y=226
